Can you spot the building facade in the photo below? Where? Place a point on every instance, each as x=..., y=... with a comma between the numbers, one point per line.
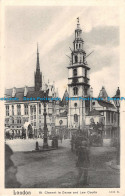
x=66, y=115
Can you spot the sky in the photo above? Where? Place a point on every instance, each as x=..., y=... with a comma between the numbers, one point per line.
x=53, y=28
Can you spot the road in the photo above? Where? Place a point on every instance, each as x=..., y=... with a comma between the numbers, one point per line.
x=57, y=168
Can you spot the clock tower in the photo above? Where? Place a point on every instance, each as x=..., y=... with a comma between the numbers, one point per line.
x=78, y=82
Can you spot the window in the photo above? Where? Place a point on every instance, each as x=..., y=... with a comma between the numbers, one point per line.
x=83, y=59
x=76, y=46
x=115, y=117
x=75, y=104
x=76, y=59
x=79, y=46
x=19, y=121
x=12, y=120
x=75, y=117
x=108, y=116
x=85, y=73
x=26, y=109
x=31, y=110
x=34, y=123
x=74, y=72
x=34, y=109
x=112, y=115
x=7, y=110
x=12, y=110
x=75, y=91
x=39, y=108
x=18, y=109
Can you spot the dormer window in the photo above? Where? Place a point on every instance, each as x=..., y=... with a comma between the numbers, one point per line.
x=14, y=92
x=25, y=91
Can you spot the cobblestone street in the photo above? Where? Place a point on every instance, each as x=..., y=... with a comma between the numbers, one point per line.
x=57, y=168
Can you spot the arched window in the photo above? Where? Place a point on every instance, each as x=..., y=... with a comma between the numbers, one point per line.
x=74, y=72
x=76, y=59
x=76, y=46
x=75, y=117
x=79, y=46
x=75, y=91
x=75, y=104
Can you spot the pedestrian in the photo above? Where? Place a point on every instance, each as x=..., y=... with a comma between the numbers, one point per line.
x=83, y=163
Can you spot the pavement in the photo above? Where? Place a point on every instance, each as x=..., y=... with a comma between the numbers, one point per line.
x=57, y=169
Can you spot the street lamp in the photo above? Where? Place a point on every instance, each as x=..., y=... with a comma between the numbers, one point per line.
x=45, y=138
x=117, y=104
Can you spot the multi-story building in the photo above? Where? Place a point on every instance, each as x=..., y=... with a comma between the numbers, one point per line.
x=26, y=109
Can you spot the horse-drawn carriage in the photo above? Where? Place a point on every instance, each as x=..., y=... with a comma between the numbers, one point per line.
x=95, y=134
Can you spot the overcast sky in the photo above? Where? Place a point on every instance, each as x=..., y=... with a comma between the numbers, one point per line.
x=53, y=28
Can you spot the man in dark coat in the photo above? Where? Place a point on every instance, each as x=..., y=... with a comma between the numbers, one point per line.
x=83, y=163
x=10, y=170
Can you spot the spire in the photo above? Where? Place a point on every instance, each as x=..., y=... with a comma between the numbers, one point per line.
x=38, y=74
x=37, y=63
x=78, y=24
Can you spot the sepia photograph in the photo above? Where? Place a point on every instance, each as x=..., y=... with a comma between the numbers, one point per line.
x=61, y=98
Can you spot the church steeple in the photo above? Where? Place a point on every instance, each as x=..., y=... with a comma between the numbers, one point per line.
x=37, y=63
x=38, y=74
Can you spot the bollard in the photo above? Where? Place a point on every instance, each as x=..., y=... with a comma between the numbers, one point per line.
x=37, y=146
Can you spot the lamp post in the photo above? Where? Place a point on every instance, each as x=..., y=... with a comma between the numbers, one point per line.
x=117, y=104
x=45, y=137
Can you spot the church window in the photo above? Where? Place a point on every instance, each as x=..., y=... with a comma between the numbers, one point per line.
x=74, y=72
x=75, y=104
x=85, y=73
x=75, y=91
x=76, y=59
x=83, y=59
x=75, y=117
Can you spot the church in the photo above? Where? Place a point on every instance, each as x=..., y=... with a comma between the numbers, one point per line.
x=65, y=115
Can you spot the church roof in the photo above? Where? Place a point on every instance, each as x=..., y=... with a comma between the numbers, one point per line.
x=106, y=104
x=8, y=92
x=94, y=113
